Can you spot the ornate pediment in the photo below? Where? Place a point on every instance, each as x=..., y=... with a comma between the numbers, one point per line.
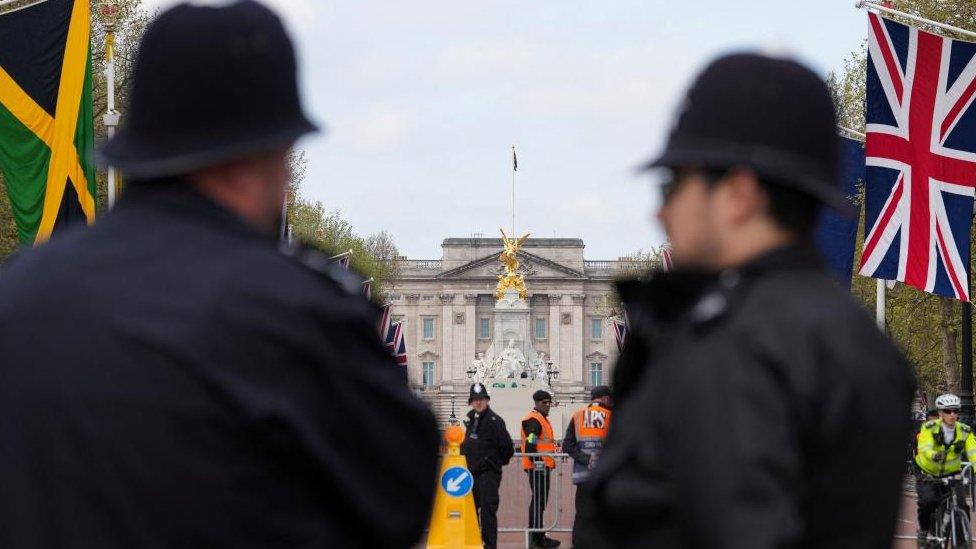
x=530, y=266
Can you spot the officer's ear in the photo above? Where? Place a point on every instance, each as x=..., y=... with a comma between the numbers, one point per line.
x=742, y=196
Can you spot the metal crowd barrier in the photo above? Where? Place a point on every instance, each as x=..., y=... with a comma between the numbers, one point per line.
x=520, y=512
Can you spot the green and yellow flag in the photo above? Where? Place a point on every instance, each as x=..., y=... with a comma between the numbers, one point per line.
x=46, y=126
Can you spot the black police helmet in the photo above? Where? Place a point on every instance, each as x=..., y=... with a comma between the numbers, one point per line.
x=210, y=84
x=478, y=390
x=772, y=115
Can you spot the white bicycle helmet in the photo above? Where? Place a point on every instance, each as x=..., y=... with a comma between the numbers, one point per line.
x=948, y=401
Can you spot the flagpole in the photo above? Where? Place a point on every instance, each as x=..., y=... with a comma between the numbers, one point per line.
x=109, y=12
x=880, y=308
x=514, y=169
x=864, y=4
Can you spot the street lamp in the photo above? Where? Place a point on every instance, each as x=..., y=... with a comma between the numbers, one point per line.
x=552, y=373
x=108, y=13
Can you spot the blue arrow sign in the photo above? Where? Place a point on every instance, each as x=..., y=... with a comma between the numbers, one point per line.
x=457, y=481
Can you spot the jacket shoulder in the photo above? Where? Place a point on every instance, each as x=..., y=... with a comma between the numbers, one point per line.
x=930, y=424
x=326, y=268
x=965, y=428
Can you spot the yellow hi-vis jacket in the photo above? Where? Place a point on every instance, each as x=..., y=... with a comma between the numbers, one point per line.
x=932, y=442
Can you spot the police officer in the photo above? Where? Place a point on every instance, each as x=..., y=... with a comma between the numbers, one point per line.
x=752, y=388
x=537, y=437
x=943, y=444
x=169, y=378
x=487, y=447
x=584, y=440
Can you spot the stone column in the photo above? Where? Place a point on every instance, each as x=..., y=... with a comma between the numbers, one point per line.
x=470, y=333
x=555, y=325
x=447, y=336
x=411, y=325
x=579, y=332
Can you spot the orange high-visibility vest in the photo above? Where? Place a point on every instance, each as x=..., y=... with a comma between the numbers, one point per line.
x=545, y=443
x=591, y=425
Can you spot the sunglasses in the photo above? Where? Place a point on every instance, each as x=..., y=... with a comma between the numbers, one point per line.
x=672, y=182
x=954, y=412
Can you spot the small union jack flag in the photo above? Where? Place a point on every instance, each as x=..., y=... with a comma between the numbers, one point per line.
x=384, y=321
x=619, y=332
x=390, y=342
x=343, y=259
x=401, y=347
x=921, y=158
x=666, y=263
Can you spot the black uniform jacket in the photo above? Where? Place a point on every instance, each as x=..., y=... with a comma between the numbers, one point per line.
x=168, y=378
x=758, y=408
x=487, y=445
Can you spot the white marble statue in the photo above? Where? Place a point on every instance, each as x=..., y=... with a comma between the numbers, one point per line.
x=539, y=368
x=512, y=360
x=480, y=368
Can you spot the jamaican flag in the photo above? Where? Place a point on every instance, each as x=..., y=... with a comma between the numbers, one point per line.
x=46, y=129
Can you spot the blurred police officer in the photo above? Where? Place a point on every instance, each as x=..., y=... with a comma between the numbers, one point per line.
x=487, y=447
x=758, y=405
x=584, y=440
x=168, y=378
x=538, y=437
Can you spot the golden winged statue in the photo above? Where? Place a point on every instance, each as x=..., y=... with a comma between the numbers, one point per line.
x=509, y=258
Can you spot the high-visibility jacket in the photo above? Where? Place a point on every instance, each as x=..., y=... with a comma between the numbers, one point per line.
x=932, y=442
x=544, y=443
x=591, y=425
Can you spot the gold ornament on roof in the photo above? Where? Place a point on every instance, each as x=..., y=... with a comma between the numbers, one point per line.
x=509, y=258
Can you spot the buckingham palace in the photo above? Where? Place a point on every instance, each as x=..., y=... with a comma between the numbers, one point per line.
x=450, y=313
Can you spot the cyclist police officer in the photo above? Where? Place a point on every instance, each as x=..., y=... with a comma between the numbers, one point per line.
x=943, y=444
x=488, y=447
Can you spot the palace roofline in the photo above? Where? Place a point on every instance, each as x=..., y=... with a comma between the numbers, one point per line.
x=530, y=243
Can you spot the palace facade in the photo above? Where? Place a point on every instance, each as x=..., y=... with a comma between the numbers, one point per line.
x=447, y=307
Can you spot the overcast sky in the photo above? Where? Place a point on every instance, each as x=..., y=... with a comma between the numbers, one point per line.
x=423, y=100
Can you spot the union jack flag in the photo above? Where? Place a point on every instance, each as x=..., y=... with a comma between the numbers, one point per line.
x=401, y=347
x=619, y=332
x=390, y=341
x=384, y=321
x=343, y=259
x=666, y=263
x=921, y=158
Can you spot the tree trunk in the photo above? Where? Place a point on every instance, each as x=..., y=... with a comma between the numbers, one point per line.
x=950, y=358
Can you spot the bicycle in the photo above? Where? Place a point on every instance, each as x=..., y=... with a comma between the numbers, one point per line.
x=951, y=527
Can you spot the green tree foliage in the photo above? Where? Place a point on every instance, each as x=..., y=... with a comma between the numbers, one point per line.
x=131, y=24
x=927, y=327
x=375, y=256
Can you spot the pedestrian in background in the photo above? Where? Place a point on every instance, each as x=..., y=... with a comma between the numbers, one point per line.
x=169, y=377
x=537, y=437
x=763, y=406
x=585, y=436
x=488, y=447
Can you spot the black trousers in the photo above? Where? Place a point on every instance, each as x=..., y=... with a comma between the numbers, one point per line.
x=486, y=484
x=539, y=484
x=930, y=494
x=583, y=522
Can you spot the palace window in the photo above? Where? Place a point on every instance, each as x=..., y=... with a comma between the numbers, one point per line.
x=540, y=327
x=484, y=328
x=596, y=374
x=428, y=328
x=428, y=374
x=596, y=328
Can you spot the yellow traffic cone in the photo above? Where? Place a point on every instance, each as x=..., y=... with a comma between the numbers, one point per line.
x=454, y=523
